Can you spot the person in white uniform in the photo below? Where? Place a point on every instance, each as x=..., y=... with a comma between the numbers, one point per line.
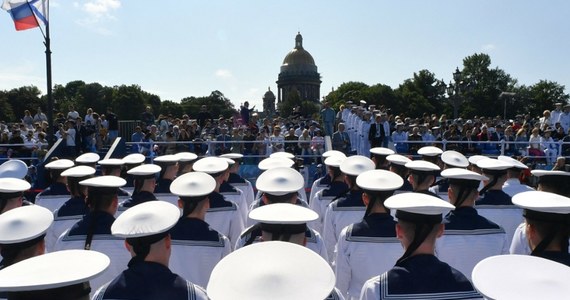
x=58, y=275
x=93, y=231
x=231, y=193
x=370, y=246
x=513, y=185
x=418, y=274
x=223, y=215
x=557, y=182
x=73, y=209
x=546, y=218
x=529, y=277
x=196, y=247
x=146, y=229
x=347, y=209
x=22, y=233
x=56, y=193
x=364, y=132
x=236, y=180
x=468, y=237
x=337, y=187
x=450, y=159
x=280, y=185
x=400, y=137
x=273, y=270
x=325, y=181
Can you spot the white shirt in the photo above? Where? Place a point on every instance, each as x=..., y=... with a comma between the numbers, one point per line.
x=227, y=221
x=507, y=216
x=519, y=244
x=247, y=190
x=51, y=202
x=513, y=186
x=335, y=220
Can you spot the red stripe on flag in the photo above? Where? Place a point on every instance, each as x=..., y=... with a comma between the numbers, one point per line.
x=26, y=23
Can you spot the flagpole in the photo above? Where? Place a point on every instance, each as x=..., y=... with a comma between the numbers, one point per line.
x=51, y=128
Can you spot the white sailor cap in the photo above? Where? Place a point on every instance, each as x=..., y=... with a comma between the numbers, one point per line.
x=169, y=159
x=134, y=158
x=491, y=164
x=422, y=166
x=543, y=202
x=271, y=270
x=107, y=181
x=13, y=168
x=146, y=219
x=211, y=165
x=282, y=154
x=379, y=180
x=330, y=153
x=418, y=204
x=398, y=159
x=475, y=158
x=283, y=213
x=146, y=170
x=111, y=162
x=516, y=164
x=356, y=164
x=381, y=151
x=334, y=161
x=13, y=185
x=280, y=181
x=193, y=184
x=60, y=164
x=521, y=277
x=233, y=156
x=275, y=162
x=24, y=224
x=88, y=158
x=462, y=174
x=53, y=270
x=541, y=173
x=362, y=102
x=454, y=159
x=430, y=151
x=79, y=171
x=186, y=156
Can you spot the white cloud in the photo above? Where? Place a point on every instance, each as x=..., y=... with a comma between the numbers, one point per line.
x=101, y=8
x=223, y=73
x=488, y=47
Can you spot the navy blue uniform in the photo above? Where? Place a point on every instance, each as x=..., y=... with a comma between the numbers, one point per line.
x=137, y=198
x=163, y=186
x=494, y=197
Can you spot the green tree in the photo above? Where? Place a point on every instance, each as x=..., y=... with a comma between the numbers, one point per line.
x=169, y=107
x=285, y=108
x=22, y=98
x=6, y=113
x=349, y=91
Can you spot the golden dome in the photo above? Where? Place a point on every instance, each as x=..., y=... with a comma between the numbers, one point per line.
x=298, y=56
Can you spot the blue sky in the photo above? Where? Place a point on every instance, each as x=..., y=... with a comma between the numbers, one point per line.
x=190, y=48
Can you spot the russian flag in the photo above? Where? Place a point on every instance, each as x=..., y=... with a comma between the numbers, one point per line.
x=27, y=13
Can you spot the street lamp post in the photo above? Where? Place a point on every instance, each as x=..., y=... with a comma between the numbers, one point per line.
x=456, y=91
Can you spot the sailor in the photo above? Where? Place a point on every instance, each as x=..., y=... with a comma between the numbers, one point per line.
x=379, y=155
x=529, y=277
x=431, y=154
x=422, y=176
x=131, y=161
x=194, y=242
x=93, y=231
x=146, y=228
x=364, y=132
x=324, y=181
x=185, y=162
x=473, y=163
x=236, y=180
x=114, y=166
x=73, y=209
x=557, y=182
x=89, y=159
x=12, y=193
x=513, y=185
x=418, y=274
x=400, y=137
x=63, y=275
x=349, y=208
x=370, y=246
x=468, y=237
x=22, y=233
x=223, y=215
x=280, y=185
x=450, y=159
x=398, y=166
x=494, y=204
x=168, y=169
x=144, y=180
x=56, y=193
x=230, y=192
x=336, y=188
x=272, y=270
x=13, y=168
x=547, y=216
